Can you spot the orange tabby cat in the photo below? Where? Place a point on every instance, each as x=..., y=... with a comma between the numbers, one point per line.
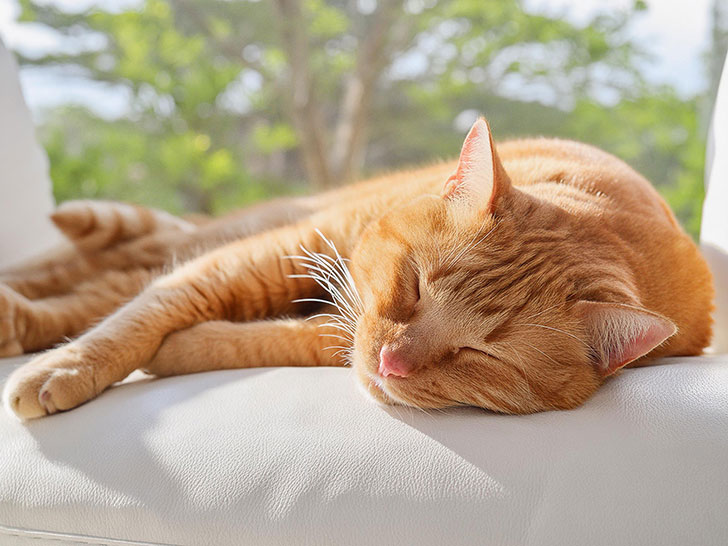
x=518, y=287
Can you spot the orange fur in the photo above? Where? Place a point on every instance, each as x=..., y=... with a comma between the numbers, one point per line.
x=95, y=225
x=538, y=271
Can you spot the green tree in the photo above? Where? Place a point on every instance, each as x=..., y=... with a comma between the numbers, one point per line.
x=233, y=101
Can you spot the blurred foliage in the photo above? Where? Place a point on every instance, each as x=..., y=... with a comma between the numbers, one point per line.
x=716, y=54
x=235, y=101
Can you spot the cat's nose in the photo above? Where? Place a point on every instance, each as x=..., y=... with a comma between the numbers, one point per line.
x=392, y=363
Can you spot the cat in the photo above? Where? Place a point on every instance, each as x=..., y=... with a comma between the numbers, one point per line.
x=515, y=280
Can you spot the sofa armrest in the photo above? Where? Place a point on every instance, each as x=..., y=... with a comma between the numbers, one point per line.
x=25, y=187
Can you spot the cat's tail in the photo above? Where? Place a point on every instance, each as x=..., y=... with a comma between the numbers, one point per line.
x=95, y=225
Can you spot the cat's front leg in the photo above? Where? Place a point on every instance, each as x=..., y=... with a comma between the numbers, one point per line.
x=72, y=374
x=246, y=280
x=28, y=325
x=222, y=345
x=57, y=380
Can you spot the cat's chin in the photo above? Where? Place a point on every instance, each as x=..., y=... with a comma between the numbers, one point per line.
x=373, y=388
x=374, y=394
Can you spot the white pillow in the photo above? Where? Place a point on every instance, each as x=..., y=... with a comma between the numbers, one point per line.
x=714, y=230
x=25, y=188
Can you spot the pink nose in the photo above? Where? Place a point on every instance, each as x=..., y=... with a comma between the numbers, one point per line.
x=391, y=363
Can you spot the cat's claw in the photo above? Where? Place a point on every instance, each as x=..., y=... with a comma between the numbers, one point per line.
x=46, y=400
x=52, y=382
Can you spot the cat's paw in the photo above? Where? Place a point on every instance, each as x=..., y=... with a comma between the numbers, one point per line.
x=10, y=308
x=54, y=381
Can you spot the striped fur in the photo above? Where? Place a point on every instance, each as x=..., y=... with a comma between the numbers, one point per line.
x=97, y=225
x=539, y=270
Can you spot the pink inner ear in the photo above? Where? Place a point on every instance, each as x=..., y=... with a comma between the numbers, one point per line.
x=656, y=333
x=621, y=333
x=478, y=131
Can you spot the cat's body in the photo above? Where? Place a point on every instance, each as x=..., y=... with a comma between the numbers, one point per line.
x=517, y=292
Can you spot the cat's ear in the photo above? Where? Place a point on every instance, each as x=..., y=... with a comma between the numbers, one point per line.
x=619, y=334
x=480, y=179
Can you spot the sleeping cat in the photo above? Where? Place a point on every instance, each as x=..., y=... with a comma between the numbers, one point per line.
x=536, y=271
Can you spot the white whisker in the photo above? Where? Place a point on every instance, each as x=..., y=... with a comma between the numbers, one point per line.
x=558, y=330
x=540, y=351
x=313, y=300
x=332, y=275
x=522, y=369
x=544, y=310
x=474, y=243
x=342, y=338
x=336, y=347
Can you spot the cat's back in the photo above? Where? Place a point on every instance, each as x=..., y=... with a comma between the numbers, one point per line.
x=593, y=186
x=585, y=168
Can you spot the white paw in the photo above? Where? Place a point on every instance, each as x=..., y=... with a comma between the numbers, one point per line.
x=54, y=381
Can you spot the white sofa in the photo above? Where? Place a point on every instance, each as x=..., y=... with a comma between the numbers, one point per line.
x=25, y=188
x=299, y=456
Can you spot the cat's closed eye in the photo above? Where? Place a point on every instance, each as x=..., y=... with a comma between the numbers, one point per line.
x=419, y=288
x=479, y=352
x=413, y=289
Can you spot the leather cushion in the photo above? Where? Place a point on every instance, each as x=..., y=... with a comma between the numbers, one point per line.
x=300, y=456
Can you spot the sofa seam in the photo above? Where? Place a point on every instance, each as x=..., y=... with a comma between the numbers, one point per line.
x=66, y=538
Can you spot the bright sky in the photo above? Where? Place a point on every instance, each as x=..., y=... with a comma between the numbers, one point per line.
x=676, y=32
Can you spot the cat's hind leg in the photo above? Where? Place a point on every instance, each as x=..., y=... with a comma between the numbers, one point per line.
x=11, y=304
x=220, y=345
x=115, y=236
x=101, y=236
x=246, y=280
x=30, y=325
x=52, y=275
x=93, y=225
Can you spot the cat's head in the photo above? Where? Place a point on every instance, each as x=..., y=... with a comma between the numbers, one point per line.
x=482, y=296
